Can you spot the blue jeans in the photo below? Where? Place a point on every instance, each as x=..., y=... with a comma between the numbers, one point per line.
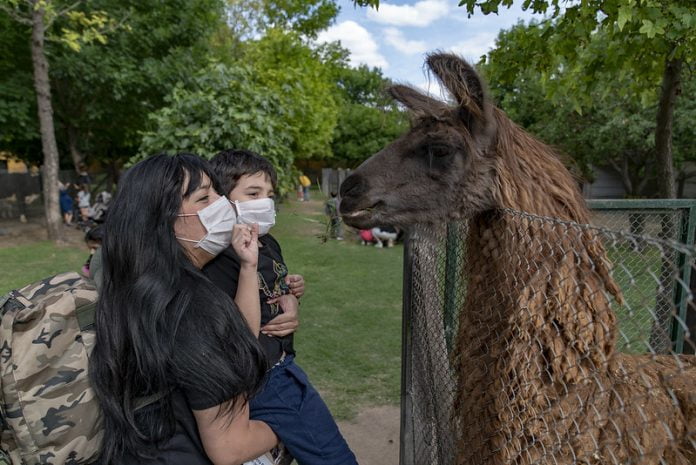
x=293, y=409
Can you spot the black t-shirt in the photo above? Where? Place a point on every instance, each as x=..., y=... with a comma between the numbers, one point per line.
x=194, y=342
x=183, y=448
x=223, y=271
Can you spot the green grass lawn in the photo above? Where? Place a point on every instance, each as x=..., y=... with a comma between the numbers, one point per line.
x=350, y=335
x=350, y=317
x=25, y=264
x=637, y=274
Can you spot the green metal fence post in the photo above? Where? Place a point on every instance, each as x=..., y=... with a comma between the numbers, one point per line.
x=688, y=231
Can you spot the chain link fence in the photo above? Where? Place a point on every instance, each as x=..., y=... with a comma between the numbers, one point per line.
x=530, y=340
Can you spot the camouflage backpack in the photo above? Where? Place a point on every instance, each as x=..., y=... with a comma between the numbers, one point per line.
x=49, y=414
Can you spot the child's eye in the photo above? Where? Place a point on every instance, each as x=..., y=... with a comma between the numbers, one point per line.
x=203, y=199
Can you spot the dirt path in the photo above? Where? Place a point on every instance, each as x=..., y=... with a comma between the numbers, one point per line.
x=374, y=435
x=14, y=233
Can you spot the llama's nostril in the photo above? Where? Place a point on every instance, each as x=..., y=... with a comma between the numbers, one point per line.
x=353, y=186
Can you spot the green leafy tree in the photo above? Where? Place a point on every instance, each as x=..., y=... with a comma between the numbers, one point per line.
x=18, y=113
x=102, y=95
x=648, y=41
x=105, y=94
x=590, y=136
x=296, y=73
x=256, y=17
x=224, y=108
x=368, y=120
x=39, y=16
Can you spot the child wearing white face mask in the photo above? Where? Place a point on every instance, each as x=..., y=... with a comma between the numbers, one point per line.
x=288, y=403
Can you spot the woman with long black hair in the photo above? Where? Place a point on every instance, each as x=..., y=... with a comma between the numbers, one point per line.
x=174, y=362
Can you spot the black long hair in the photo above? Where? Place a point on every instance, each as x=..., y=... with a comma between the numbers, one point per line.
x=152, y=292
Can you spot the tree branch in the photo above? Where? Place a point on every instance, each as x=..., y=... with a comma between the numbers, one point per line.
x=61, y=13
x=71, y=7
x=120, y=23
x=12, y=13
x=615, y=166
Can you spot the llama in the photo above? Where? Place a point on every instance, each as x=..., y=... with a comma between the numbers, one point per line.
x=540, y=380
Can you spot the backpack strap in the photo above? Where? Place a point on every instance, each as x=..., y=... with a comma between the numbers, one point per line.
x=85, y=316
x=5, y=298
x=12, y=301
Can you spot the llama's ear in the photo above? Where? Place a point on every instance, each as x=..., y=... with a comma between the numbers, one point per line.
x=415, y=101
x=461, y=80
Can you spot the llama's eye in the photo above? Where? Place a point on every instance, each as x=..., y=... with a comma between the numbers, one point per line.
x=439, y=151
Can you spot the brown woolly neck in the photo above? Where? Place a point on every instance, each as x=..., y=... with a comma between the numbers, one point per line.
x=531, y=178
x=537, y=313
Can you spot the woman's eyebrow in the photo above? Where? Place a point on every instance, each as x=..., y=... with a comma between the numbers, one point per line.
x=203, y=187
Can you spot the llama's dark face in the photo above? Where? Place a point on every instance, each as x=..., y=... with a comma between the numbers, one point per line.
x=441, y=169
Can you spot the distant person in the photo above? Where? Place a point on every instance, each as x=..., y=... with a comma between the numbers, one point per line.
x=83, y=176
x=84, y=202
x=335, y=221
x=288, y=402
x=384, y=235
x=66, y=203
x=300, y=193
x=93, y=240
x=305, y=182
x=366, y=237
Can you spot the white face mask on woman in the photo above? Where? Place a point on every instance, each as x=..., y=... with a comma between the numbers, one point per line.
x=218, y=219
x=259, y=211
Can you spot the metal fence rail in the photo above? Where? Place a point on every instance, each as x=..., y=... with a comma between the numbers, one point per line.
x=508, y=321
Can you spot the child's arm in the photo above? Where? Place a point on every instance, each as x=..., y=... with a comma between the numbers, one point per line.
x=245, y=243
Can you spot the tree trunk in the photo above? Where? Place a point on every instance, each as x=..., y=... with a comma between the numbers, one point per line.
x=660, y=335
x=48, y=136
x=671, y=87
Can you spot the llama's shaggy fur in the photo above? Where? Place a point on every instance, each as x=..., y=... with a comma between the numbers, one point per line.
x=540, y=380
x=539, y=377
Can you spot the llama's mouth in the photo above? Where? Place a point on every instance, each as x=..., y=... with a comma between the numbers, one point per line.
x=357, y=213
x=362, y=216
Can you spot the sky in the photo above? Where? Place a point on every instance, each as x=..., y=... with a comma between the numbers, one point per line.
x=397, y=36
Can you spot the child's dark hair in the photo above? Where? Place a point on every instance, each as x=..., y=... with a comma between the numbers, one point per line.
x=95, y=234
x=230, y=165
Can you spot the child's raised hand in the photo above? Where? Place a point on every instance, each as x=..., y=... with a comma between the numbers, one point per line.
x=245, y=241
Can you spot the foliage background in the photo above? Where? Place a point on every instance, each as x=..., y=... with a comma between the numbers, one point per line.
x=205, y=75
